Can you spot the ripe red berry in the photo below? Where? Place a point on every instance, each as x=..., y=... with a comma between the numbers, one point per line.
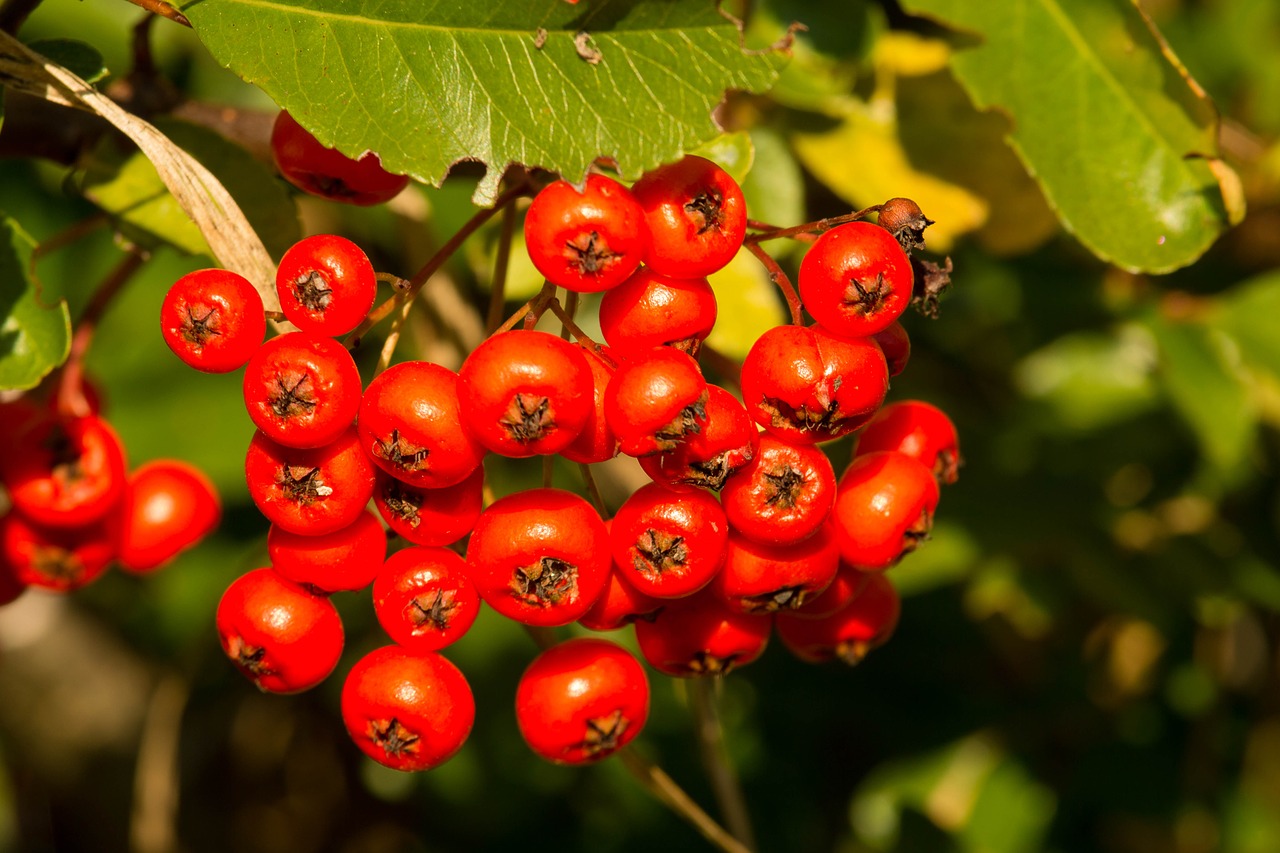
x=311, y=491
x=896, y=346
x=213, y=320
x=655, y=400
x=699, y=635
x=327, y=172
x=581, y=701
x=783, y=496
x=806, y=385
x=282, y=637
x=169, y=506
x=620, y=604
x=525, y=393
x=346, y=559
x=759, y=578
x=407, y=710
x=650, y=309
x=65, y=472
x=695, y=214
x=58, y=559
x=855, y=279
x=884, y=509
x=424, y=599
x=410, y=424
x=865, y=622
x=302, y=389
x=724, y=445
x=668, y=543
x=540, y=557
x=585, y=241
x=10, y=586
x=921, y=431
x=326, y=284
x=430, y=516
x=596, y=442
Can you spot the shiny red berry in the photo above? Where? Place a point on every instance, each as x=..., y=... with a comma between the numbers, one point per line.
x=326, y=172
x=696, y=216
x=585, y=241
x=783, y=496
x=65, y=472
x=213, y=320
x=867, y=621
x=855, y=279
x=346, y=559
x=724, y=445
x=581, y=701
x=884, y=509
x=760, y=578
x=896, y=346
x=169, y=506
x=282, y=637
x=596, y=442
x=311, y=491
x=326, y=284
x=302, y=389
x=60, y=559
x=424, y=599
x=699, y=635
x=921, y=431
x=430, y=516
x=407, y=710
x=669, y=543
x=655, y=400
x=650, y=309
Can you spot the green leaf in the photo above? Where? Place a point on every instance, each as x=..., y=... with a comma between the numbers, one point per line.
x=79, y=58
x=34, y=339
x=1106, y=119
x=1247, y=313
x=126, y=184
x=428, y=84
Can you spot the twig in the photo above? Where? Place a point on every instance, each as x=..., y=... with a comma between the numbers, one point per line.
x=501, y=263
x=778, y=277
x=662, y=786
x=71, y=234
x=818, y=225
x=393, y=338
x=715, y=760
x=152, y=826
x=593, y=490
x=582, y=337
x=163, y=9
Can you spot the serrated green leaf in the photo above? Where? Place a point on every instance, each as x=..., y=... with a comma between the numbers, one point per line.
x=427, y=84
x=34, y=338
x=1103, y=116
x=78, y=57
x=747, y=306
x=125, y=183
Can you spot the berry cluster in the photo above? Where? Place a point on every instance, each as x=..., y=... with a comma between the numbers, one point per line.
x=744, y=530
x=72, y=507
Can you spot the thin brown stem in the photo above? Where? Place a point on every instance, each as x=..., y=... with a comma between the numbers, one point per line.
x=580, y=336
x=163, y=9
x=593, y=490
x=662, y=786
x=715, y=760
x=393, y=338
x=547, y=296
x=819, y=225
x=71, y=234
x=501, y=263
x=778, y=277
x=524, y=309
x=153, y=824
x=70, y=398
x=548, y=471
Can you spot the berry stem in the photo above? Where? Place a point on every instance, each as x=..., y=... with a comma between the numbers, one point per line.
x=593, y=490
x=70, y=235
x=664, y=788
x=771, y=233
x=715, y=760
x=582, y=337
x=778, y=277
x=70, y=398
x=501, y=262
x=393, y=338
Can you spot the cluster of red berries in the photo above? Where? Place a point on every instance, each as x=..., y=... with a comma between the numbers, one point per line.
x=72, y=509
x=705, y=580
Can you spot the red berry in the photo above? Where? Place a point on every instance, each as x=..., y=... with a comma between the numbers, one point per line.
x=540, y=557
x=896, y=346
x=311, y=491
x=667, y=543
x=759, y=578
x=346, y=559
x=10, y=585
x=424, y=599
x=884, y=509
x=695, y=214
x=699, y=635
x=213, y=320
x=620, y=604
x=585, y=241
x=282, y=637
x=169, y=506
x=327, y=172
x=725, y=444
x=655, y=400
x=921, y=431
x=596, y=442
x=525, y=393
x=58, y=559
x=326, y=284
x=650, y=309
x=65, y=472
x=855, y=279
x=848, y=583
x=407, y=710
x=581, y=701
x=805, y=385
x=783, y=496
x=410, y=424
x=865, y=622
x=302, y=389
x=430, y=516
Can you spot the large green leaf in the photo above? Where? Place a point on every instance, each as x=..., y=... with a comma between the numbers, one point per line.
x=1105, y=118
x=34, y=339
x=427, y=83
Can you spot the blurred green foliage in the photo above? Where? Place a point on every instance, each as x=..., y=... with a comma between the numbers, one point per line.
x=1089, y=655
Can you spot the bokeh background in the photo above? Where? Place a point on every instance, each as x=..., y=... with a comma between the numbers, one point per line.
x=1089, y=652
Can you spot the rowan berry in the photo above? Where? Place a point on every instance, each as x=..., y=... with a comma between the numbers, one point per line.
x=695, y=214
x=758, y=578
x=855, y=279
x=311, y=491
x=650, y=309
x=655, y=400
x=921, y=431
x=585, y=240
x=596, y=442
x=326, y=172
x=326, y=284
x=620, y=604
x=302, y=389
x=699, y=635
x=783, y=496
x=581, y=701
x=867, y=621
x=724, y=445
x=58, y=559
x=169, y=506
x=896, y=346
x=424, y=599
x=884, y=509
x=430, y=516
x=667, y=543
x=342, y=561
x=65, y=472
x=407, y=710
x=213, y=320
